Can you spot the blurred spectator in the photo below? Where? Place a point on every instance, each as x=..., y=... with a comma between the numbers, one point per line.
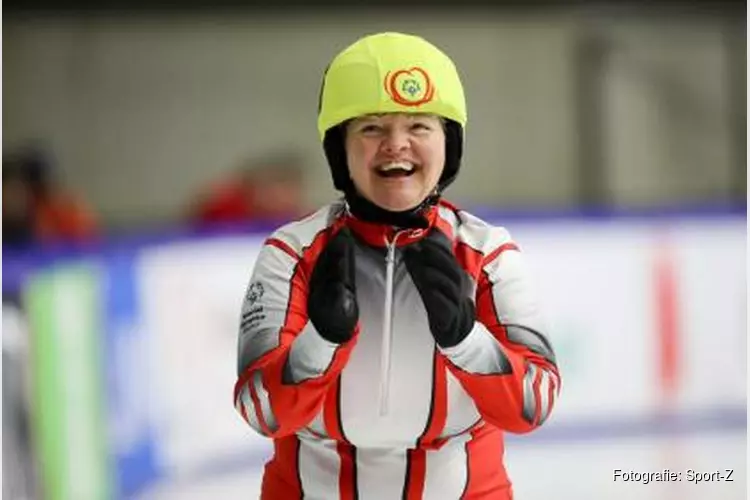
x=270, y=190
x=35, y=207
x=18, y=218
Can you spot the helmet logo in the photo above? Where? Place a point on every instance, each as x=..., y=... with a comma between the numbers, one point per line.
x=409, y=87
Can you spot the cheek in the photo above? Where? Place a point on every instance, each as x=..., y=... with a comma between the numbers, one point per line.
x=358, y=156
x=354, y=163
x=434, y=155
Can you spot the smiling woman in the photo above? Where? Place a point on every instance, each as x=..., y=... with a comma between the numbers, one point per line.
x=450, y=350
x=395, y=160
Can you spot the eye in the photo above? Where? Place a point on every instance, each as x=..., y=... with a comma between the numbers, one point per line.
x=420, y=126
x=370, y=129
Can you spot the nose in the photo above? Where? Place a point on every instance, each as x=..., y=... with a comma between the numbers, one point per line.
x=395, y=141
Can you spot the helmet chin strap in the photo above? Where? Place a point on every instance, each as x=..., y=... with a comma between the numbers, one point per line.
x=414, y=218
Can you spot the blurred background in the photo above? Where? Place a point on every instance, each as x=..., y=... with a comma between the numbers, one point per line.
x=149, y=149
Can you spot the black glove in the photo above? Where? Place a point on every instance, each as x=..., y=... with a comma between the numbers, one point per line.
x=443, y=286
x=332, y=298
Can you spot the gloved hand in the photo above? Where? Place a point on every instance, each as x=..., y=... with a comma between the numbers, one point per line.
x=332, y=298
x=443, y=286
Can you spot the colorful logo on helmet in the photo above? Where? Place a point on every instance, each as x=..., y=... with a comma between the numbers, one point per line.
x=409, y=87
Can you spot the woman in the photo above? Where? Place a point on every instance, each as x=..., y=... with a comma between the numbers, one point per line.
x=389, y=339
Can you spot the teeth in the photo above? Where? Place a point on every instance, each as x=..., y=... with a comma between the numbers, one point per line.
x=396, y=166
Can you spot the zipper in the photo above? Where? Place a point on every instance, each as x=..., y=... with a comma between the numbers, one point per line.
x=387, y=338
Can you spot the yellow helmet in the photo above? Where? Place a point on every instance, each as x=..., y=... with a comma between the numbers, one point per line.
x=390, y=73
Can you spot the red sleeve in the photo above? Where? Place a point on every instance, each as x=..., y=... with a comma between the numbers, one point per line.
x=506, y=364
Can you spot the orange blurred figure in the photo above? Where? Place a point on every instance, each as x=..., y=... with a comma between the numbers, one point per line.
x=271, y=191
x=36, y=209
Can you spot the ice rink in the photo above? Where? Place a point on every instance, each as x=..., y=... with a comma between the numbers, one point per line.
x=571, y=468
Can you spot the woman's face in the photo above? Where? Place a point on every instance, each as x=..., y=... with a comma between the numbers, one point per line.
x=395, y=160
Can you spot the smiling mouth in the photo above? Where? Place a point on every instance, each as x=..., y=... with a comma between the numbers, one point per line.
x=396, y=170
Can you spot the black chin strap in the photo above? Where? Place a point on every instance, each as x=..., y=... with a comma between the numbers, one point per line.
x=364, y=209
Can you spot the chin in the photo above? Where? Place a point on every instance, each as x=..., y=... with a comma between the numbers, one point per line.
x=400, y=206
